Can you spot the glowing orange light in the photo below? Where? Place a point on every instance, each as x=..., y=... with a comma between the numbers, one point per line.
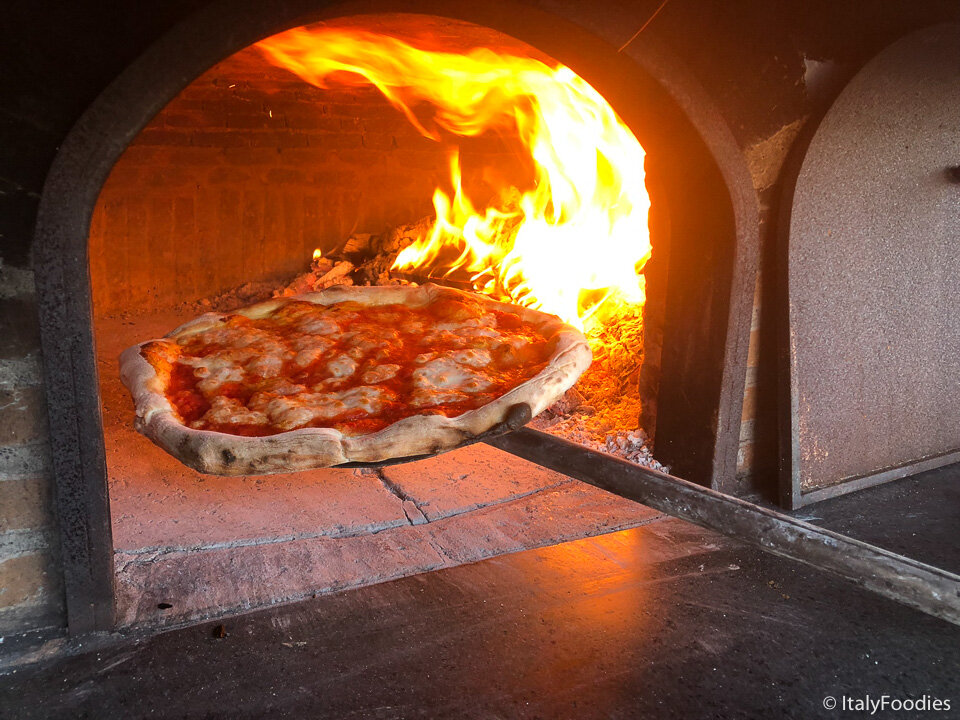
x=572, y=245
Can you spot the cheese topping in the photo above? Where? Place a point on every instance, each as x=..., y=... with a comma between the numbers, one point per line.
x=444, y=372
x=379, y=373
x=347, y=366
x=341, y=367
x=472, y=358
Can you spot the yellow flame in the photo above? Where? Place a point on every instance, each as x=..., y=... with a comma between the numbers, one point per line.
x=574, y=243
x=317, y=254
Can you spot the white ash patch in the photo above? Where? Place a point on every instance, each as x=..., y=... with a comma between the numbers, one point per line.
x=631, y=445
x=230, y=300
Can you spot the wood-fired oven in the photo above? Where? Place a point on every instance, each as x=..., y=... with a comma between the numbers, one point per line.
x=246, y=171
x=207, y=177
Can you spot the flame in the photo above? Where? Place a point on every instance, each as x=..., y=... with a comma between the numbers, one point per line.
x=575, y=242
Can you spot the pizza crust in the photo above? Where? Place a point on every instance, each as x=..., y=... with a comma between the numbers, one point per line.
x=219, y=453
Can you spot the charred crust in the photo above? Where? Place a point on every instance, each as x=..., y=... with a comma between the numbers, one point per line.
x=190, y=455
x=228, y=457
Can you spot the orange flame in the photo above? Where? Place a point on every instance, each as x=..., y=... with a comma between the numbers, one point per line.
x=573, y=244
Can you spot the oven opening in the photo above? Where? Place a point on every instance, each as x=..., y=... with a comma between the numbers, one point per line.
x=378, y=150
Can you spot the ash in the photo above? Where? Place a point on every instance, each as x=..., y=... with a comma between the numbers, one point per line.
x=602, y=410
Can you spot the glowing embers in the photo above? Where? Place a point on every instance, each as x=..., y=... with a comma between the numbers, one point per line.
x=573, y=243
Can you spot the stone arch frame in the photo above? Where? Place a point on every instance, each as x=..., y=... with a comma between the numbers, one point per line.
x=710, y=291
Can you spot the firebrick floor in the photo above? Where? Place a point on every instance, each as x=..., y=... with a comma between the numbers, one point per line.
x=665, y=620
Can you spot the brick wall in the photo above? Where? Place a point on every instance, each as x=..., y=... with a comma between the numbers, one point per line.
x=56, y=59
x=30, y=591
x=247, y=171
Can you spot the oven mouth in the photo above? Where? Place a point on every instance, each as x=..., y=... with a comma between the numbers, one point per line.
x=686, y=429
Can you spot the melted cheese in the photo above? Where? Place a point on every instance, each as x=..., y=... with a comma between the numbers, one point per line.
x=271, y=390
x=429, y=397
x=365, y=340
x=379, y=374
x=309, y=349
x=266, y=366
x=224, y=411
x=446, y=374
x=318, y=325
x=297, y=411
x=472, y=358
x=479, y=332
x=341, y=367
x=290, y=413
x=213, y=372
x=486, y=321
x=367, y=399
x=444, y=338
x=234, y=335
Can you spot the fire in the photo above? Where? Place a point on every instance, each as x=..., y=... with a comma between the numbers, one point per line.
x=575, y=243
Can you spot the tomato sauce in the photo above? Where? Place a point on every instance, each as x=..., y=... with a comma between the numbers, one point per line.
x=370, y=336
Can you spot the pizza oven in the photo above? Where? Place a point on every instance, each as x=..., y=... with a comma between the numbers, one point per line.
x=213, y=174
x=239, y=178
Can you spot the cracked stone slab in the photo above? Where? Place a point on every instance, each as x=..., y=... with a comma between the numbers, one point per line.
x=569, y=511
x=467, y=479
x=228, y=580
x=206, y=583
x=173, y=508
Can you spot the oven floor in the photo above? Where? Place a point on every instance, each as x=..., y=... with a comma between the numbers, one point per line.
x=918, y=516
x=667, y=620
x=189, y=547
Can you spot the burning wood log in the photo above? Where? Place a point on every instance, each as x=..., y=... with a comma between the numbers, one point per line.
x=420, y=278
x=363, y=259
x=382, y=250
x=323, y=274
x=336, y=276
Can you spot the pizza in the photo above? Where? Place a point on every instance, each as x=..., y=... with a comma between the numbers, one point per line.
x=347, y=375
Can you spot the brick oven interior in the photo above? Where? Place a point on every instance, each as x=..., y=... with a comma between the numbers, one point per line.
x=507, y=578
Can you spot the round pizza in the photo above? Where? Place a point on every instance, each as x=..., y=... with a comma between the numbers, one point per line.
x=349, y=374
